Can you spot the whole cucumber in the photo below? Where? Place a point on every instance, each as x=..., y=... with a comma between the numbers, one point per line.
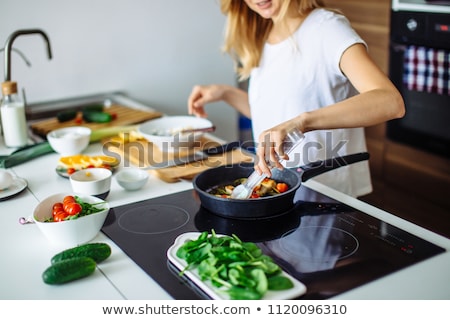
x=69, y=270
x=97, y=116
x=96, y=251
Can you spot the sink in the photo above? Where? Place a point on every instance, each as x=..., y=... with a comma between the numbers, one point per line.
x=48, y=109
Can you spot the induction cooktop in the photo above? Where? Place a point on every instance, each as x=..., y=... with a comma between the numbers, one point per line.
x=328, y=246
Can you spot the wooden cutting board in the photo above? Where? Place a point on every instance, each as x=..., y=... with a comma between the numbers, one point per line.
x=125, y=116
x=142, y=153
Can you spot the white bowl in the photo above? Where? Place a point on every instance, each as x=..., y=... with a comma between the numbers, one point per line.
x=164, y=132
x=69, y=141
x=92, y=181
x=74, y=232
x=132, y=178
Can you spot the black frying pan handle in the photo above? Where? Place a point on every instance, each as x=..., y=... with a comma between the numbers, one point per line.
x=313, y=169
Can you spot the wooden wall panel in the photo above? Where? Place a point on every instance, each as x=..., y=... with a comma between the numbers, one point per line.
x=371, y=19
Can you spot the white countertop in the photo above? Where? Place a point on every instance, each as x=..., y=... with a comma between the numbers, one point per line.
x=26, y=253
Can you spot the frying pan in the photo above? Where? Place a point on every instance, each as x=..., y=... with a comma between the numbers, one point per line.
x=265, y=206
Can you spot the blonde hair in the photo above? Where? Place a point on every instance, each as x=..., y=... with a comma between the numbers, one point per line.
x=246, y=31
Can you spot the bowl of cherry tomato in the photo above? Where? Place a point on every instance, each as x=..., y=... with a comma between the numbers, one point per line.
x=70, y=219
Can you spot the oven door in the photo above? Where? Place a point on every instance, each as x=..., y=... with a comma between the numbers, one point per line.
x=425, y=125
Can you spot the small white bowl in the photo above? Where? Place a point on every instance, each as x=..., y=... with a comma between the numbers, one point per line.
x=92, y=181
x=69, y=141
x=132, y=178
x=74, y=232
x=163, y=132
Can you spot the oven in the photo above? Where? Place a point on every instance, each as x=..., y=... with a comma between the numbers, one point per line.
x=419, y=66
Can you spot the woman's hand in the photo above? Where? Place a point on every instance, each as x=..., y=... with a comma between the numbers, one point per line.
x=201, y=95
x=270, y=150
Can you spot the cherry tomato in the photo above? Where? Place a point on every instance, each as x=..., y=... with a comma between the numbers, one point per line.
x=282, y=187
x=70, y=170
x=57, y=207
x=79, y=120
x=60, y=216
x=72, y=208
x=69, y=199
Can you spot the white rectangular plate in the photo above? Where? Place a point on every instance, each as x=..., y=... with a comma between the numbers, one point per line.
x=298, y=289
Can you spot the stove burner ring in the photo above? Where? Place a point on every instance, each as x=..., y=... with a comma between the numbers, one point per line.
x=328, y=243
x=153, y=219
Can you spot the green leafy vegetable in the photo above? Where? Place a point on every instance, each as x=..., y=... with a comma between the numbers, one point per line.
x=238, y=268
x=88, y=208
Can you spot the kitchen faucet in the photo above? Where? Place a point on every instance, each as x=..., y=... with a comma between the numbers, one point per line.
x=21, y=54
x=9, y=43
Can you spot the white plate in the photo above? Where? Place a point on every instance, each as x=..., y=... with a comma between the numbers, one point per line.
x=298, y=289
x=61, y=171
x=16, y=187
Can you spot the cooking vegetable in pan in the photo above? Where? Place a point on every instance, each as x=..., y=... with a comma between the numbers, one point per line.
x=267, y=206
x=268, y=187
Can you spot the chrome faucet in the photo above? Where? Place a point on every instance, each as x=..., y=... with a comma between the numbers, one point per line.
x=9, y=43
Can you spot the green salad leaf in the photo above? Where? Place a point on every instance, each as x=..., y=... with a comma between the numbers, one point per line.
x=231, y=265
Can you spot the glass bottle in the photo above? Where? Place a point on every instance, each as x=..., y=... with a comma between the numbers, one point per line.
x=244, y=191
x=13, y=119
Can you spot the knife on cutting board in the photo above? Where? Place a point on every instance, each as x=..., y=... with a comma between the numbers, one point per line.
x=196, y=156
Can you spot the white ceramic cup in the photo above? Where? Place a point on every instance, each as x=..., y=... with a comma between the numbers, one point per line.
x=92, y=181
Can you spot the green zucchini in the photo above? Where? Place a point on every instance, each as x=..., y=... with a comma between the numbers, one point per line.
x=97, y=116
x=66, y=115
x=69, y=270
x=25, y=153
x=96, y=251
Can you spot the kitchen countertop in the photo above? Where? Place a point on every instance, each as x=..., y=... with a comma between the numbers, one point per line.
x=26, y=253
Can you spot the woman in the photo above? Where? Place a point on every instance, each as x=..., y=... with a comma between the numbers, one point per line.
x=310, y=70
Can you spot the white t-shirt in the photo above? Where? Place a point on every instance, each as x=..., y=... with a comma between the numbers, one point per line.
x=302, y=74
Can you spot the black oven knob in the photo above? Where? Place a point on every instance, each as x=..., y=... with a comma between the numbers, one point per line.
x=411, y=24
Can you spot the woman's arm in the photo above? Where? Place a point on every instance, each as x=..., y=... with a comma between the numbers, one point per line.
x=378, y=101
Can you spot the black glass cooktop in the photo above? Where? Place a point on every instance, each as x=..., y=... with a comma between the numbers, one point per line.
x=328, y=246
